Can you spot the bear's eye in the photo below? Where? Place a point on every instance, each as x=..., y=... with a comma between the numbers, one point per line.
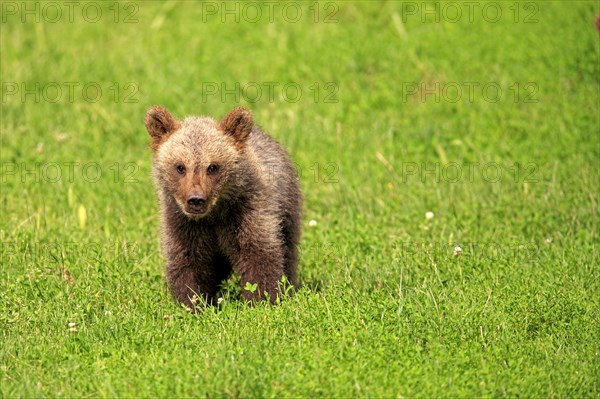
x=212, y=169
x=180, y=168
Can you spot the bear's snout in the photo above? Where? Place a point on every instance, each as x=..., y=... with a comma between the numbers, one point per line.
x=196, y=203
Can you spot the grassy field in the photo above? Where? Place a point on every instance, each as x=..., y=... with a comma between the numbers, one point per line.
x=448, y=153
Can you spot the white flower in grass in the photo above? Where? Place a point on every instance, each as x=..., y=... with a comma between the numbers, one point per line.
x=429, y=215
x=220, y=300
x=312, y=223
x=457, y=251
x=107, y=313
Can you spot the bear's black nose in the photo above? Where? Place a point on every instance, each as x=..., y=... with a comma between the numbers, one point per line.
x=196, y=200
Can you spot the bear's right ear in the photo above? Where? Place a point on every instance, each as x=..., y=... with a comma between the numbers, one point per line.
x=160, y=124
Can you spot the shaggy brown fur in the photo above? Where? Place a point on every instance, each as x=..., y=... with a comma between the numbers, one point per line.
x=229, y=200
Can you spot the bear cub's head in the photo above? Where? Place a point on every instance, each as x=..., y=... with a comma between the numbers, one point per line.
x=197, y=160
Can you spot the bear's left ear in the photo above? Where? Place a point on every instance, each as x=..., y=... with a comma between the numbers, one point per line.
x=238, y=124
x=160, y=124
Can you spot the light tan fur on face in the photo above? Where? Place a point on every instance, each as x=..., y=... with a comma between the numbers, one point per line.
x=197, y=144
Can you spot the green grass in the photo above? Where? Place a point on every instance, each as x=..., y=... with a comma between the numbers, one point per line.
x=385, y=309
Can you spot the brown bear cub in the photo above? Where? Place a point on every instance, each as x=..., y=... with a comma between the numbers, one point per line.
x=229, y=200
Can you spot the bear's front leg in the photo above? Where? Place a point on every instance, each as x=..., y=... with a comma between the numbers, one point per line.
x=260, y=258
x=195, y=281
x=183, y=283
